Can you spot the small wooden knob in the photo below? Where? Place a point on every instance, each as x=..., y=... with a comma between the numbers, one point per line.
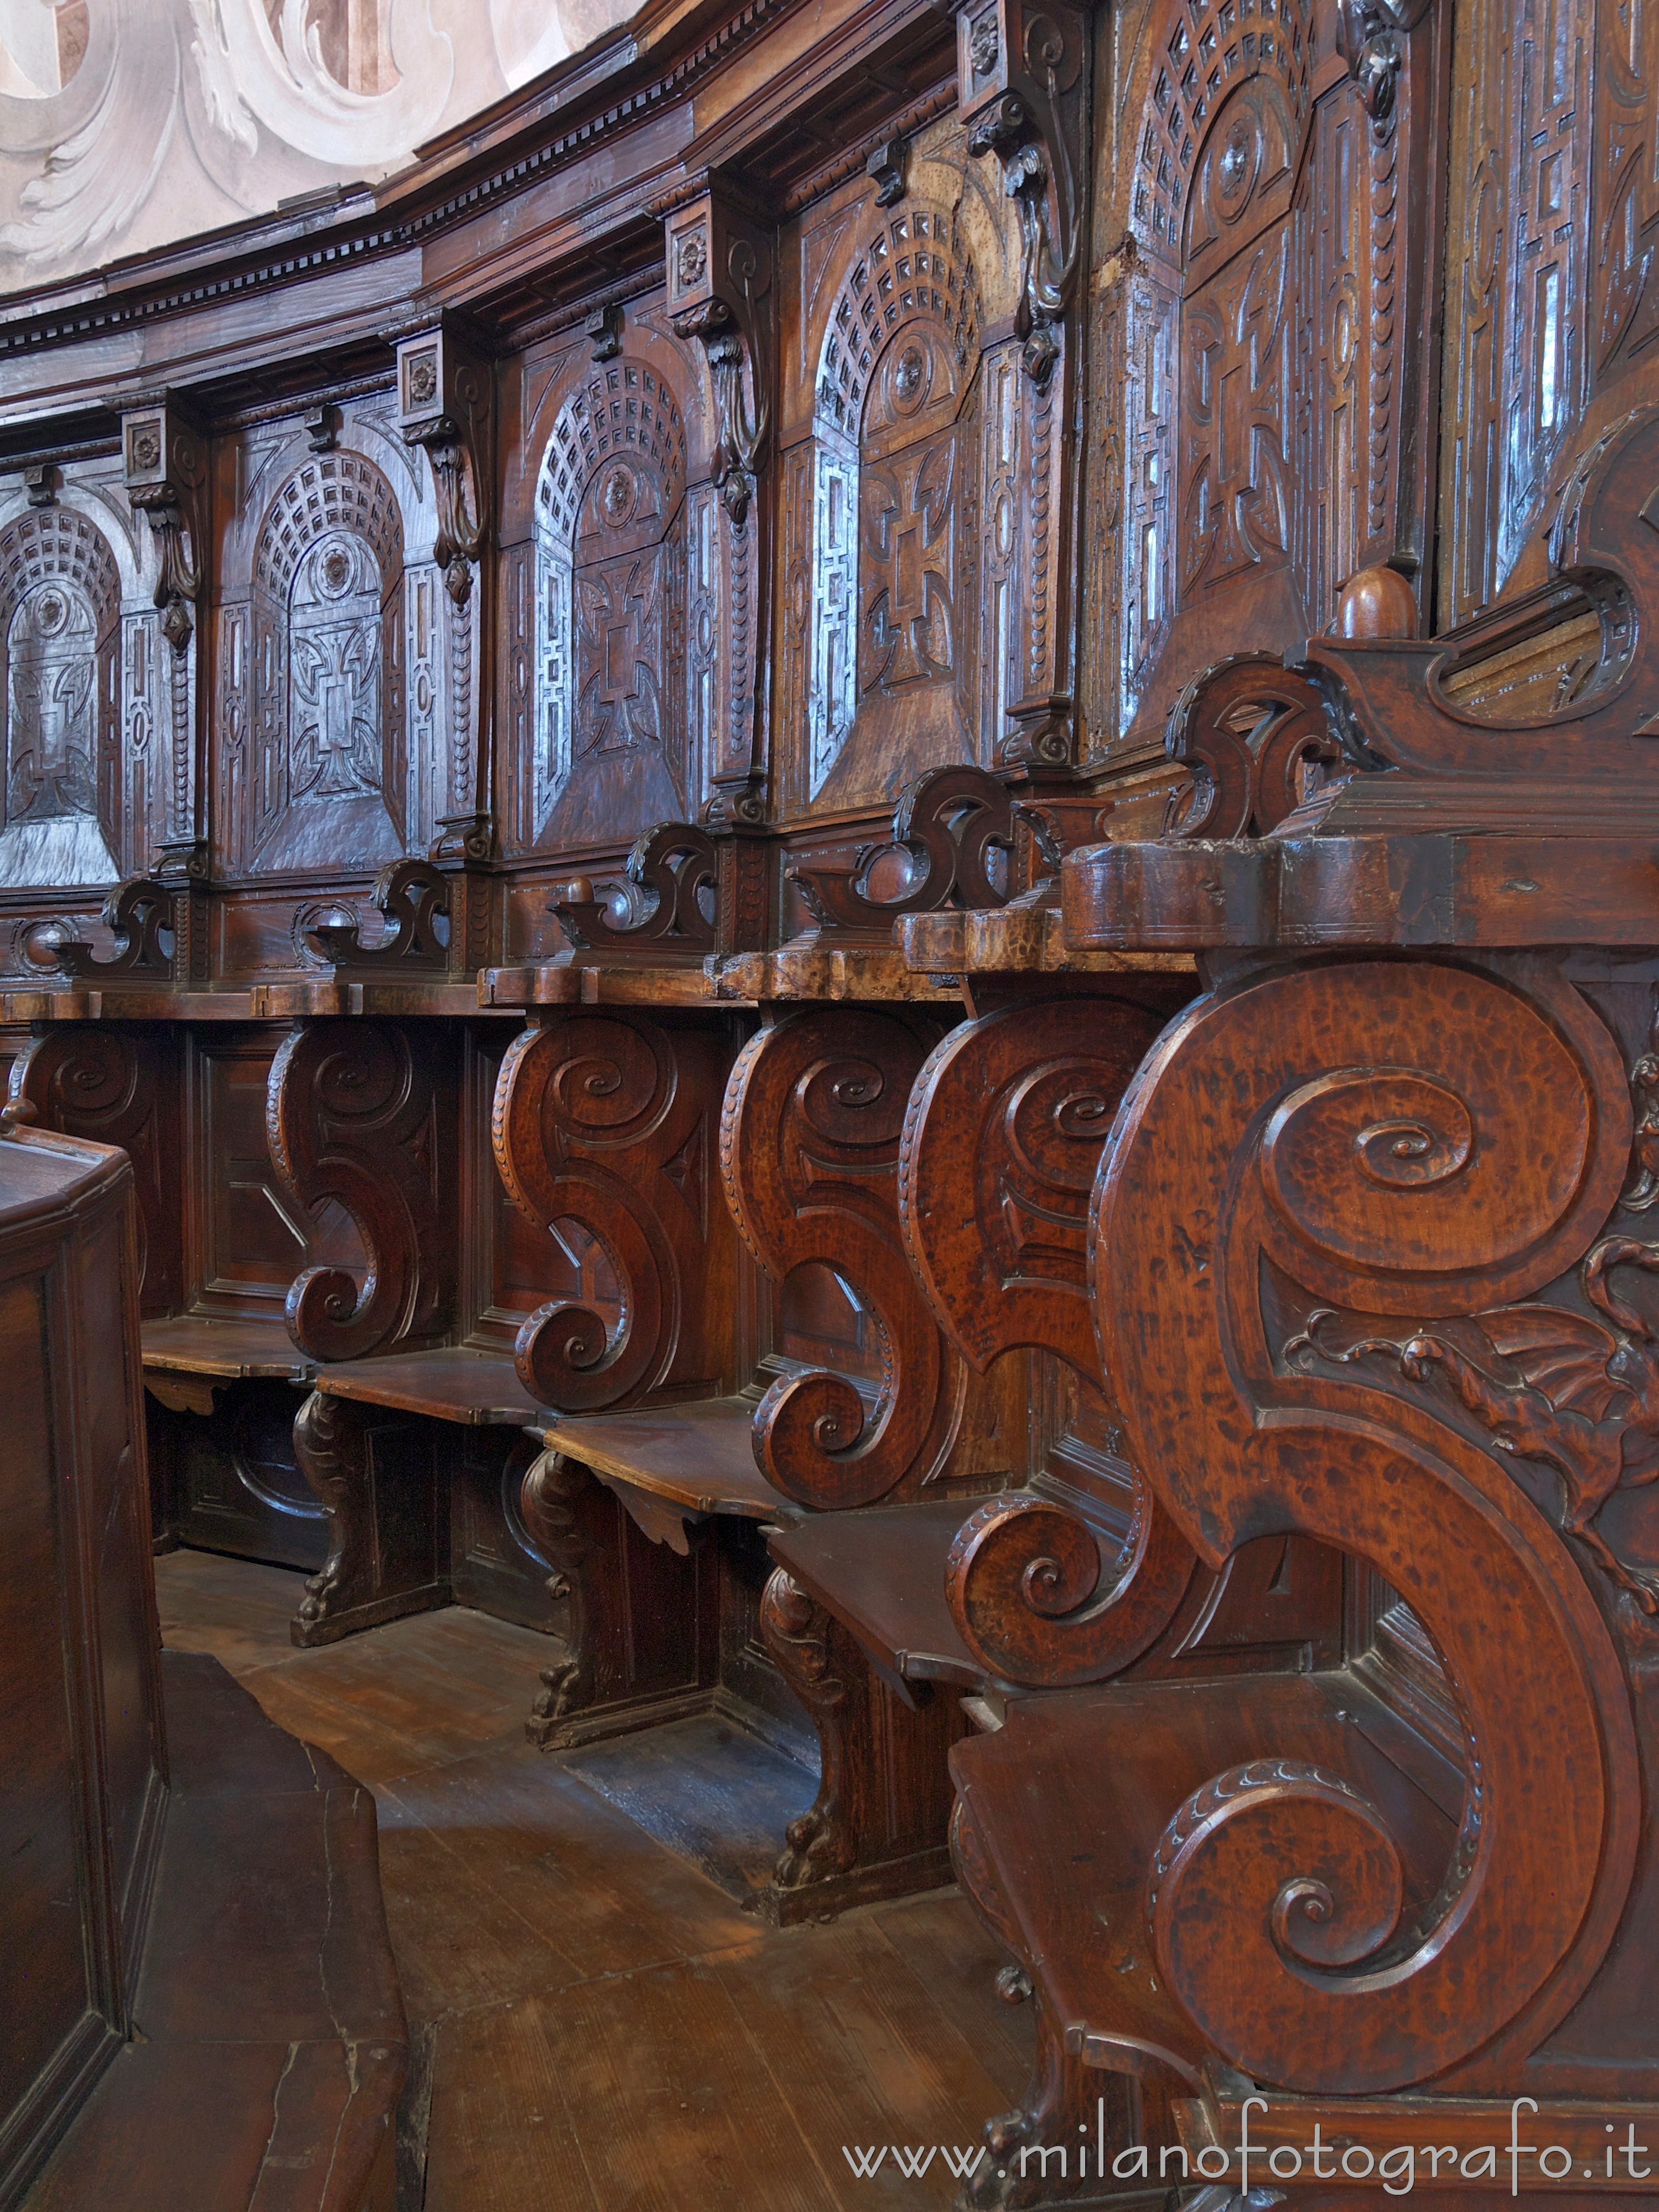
x=578, y=891
x=17, y=1114
x=1376, y=603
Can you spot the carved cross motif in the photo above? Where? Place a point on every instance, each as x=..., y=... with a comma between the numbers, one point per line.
x=1235, y=434
x=910, y=563
x=618, y=645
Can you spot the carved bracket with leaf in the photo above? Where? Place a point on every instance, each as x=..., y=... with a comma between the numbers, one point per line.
x=609, y=1120
x=444, y=406
x=165, y=465
x=356, y=1117
x=721, y=262
x=1022, y=80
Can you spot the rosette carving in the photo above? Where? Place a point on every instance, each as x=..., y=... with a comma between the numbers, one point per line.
x=809, y=1149
x=605, y=1119
x=1423, y=1140
x=1016, y=1105
x=353, y=1117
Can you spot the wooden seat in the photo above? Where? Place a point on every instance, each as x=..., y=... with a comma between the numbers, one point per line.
x=273, y=2045
x=1109, y=1770
x=224, y=1349
x=456, y=1382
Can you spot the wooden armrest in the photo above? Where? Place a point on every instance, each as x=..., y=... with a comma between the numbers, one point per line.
x=196, y=1343
x=1109, y=1767
x=454, y=1383
x=881, y=1572
x=698, y=1456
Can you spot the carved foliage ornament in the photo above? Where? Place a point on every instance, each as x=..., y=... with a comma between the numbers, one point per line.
x=1024, y=95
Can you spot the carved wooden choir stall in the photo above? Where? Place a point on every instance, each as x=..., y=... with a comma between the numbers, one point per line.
x=852, y=828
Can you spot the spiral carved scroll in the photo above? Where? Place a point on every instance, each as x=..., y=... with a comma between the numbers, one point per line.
x=1409, y=1139
x=1014, y=1108
x=809, y=1149
x=352, y=1116
x=604, y=1119
x=118, y=1086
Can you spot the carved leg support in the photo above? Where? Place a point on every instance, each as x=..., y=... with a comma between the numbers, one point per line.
x=639, y=1621
x=388, y=1523
x=1067, y=2104
x=878, y=1826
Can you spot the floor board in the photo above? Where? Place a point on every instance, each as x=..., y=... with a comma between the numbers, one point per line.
x=600, y=2026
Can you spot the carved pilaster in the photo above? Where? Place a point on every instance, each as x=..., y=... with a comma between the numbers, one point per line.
x=446, y=404
x=721, y=257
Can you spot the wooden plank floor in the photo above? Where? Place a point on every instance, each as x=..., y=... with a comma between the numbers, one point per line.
x=598, y=2028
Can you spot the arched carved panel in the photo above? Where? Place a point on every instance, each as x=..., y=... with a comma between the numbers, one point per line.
x=626, y=702
x=65, y=805
x=894, y=557
x=331, y=779
x=1261, y=325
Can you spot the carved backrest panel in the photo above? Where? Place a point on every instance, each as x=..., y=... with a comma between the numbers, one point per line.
x=330, y=780
x=247, y=1236
x=605, y=1129
x=893, y=501
x=1261, y=323
x=1550, y=303
x=64, y=803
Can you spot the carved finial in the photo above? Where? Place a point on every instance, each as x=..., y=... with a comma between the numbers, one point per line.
x=1376, y=603
x=17, y=1114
